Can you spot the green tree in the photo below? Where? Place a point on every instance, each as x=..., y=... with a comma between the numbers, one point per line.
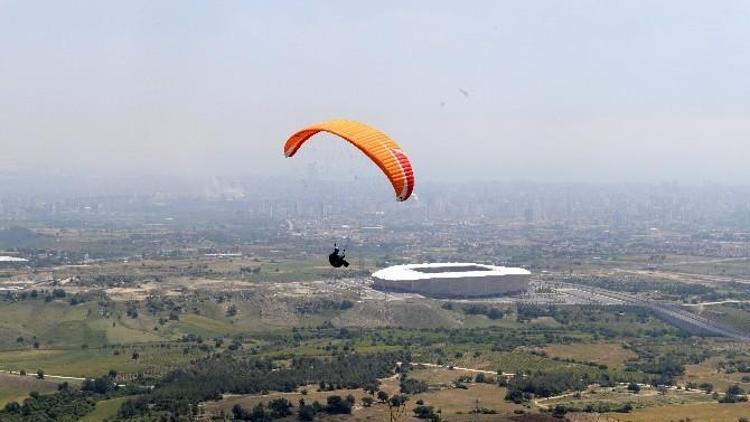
x=280, y=408
x=336, y=405
x=306, y=413
x=12, y=407
x=424, y=412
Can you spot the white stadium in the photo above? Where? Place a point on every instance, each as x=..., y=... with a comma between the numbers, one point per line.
x=452, y=280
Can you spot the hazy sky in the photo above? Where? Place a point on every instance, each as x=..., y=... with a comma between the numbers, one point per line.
x=557, y=90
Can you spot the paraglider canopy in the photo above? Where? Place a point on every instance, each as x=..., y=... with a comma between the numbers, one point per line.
x=380, y=148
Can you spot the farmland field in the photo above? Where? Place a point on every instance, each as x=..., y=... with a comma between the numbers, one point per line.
x=610, y=354
x=698, y=412
x=104, y=409
x=95, y=362
x=708, y=371
x=16, y=388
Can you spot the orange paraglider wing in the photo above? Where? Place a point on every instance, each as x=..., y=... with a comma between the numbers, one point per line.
x=381, y=149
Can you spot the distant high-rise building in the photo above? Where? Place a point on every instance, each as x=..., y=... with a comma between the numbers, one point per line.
x=528, y=215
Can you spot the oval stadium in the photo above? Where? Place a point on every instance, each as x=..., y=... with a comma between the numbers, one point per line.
x=452, y=280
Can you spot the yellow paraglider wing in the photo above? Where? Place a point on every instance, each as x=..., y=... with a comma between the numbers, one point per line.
x=381, y=149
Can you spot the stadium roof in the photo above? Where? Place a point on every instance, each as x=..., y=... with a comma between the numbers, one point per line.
x=6, y=258
x=445, y=270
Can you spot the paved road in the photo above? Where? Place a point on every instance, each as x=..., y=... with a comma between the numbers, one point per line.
x=672, y=313
x=62, y=377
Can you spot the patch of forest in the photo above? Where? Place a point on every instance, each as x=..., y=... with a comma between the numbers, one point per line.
x=181, y=390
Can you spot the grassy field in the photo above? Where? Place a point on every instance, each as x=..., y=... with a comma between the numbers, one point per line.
x=248, y=401
x=272, y=268
x=454, y=404
x=16, y=388
x=734, y=267
x=737, y=315
x=707, y=372
x=436, y=377
x=646, y=398
x=59, y=325
x=459, y=401
x=415, y=313
x=96, y=362
x=105, y=409
x=493, y=360
x=698, y=412
x=610, y=354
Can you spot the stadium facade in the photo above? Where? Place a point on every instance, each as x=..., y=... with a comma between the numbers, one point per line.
x=452, y=280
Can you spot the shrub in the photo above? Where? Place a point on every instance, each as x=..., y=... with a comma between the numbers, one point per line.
x=338, y=406
x=424, y=412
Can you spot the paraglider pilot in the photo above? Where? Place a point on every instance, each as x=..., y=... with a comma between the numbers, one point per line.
x=337, y=259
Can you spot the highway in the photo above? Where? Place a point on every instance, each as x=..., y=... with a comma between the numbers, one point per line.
x=671, y=313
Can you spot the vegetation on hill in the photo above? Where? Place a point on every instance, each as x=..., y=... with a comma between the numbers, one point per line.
x=181, y=390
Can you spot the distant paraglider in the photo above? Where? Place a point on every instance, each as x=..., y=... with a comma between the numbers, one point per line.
x=380, y=148
x=338, y=258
